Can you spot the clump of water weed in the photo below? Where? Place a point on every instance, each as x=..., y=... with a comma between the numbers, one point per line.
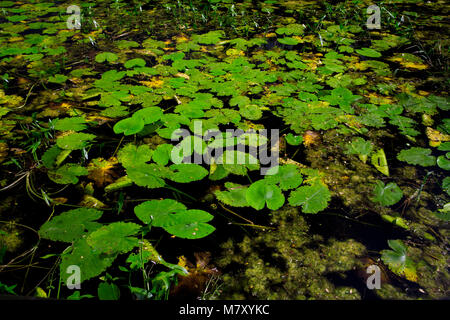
x=288, y=262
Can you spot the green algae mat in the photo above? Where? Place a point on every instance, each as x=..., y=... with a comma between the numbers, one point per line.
x=154, y=150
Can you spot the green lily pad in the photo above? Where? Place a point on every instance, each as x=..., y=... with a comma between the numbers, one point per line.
x=388, y=194
x=68, y=173
x=235, y=195
x=71, y=225
x=58, y=78
x=161, y=154
x=294, y=140
x=287, y=176
x=158, y=212
x=132, y=155
x=191, y=224
x=129, y=126
x=74, y=141
x=417, y=156
x=367, y=52
x=106, y=56
x=398, y=260
x=446, y=185
x=261, y=193
x=148, y=175
x=360, y=147
x=72, y=123
x=288, y=41
x=187, y=172
x=251, y=111
x=443, y=162
x=149, y=115
x=313, y=198
x=114, y=238
x=91, y=263
x=138, y=62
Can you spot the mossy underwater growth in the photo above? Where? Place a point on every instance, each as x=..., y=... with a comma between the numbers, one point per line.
x=288, y=262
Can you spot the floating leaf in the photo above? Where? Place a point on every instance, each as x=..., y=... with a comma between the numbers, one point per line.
x=187, y=172
x=237, y=162
x=148, y=175
x=388, y=194
x=158, y=212
x=234, y=196
x=360, y=147
x=67, y=124
x=294, y=140
x=49, y=156
x=90, y=263
x=420, y=156
x=161, y=154
x=211, y=37
x=68, y=173
x=71, y=225
x=149, y=114
x=288, y=41
x=446, y=185
x=287, y=176
x=74, y=141
x=291, y=29
x=342, y=97
x=129, y=126
x=443, y=162
x=58, y=78
x=367, y=52
x=114, y=238
x=261, y=192
x=138, y=62
x=312, y=198
x=191, y=224
x=132, y=155
x=399, y=261
x=106, y=56
x=251, y=111
x=101, y=171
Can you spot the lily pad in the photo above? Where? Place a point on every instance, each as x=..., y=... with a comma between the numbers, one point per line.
x=388, y=194
x=106, y=56
x=191, y=224
x=313, y=198
x=114, y=238
x=261, y=193
x=74, y=141
x=367, y=52
x=71, y=225
x=398, y=260
x=158, y=212
x=417, y=156
x=235, y=195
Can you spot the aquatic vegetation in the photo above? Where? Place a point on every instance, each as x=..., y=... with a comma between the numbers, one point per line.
x=388, y=194
x=398, y=260
x=117, y=121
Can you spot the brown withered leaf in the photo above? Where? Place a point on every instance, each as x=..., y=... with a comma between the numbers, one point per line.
x=101, y=171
